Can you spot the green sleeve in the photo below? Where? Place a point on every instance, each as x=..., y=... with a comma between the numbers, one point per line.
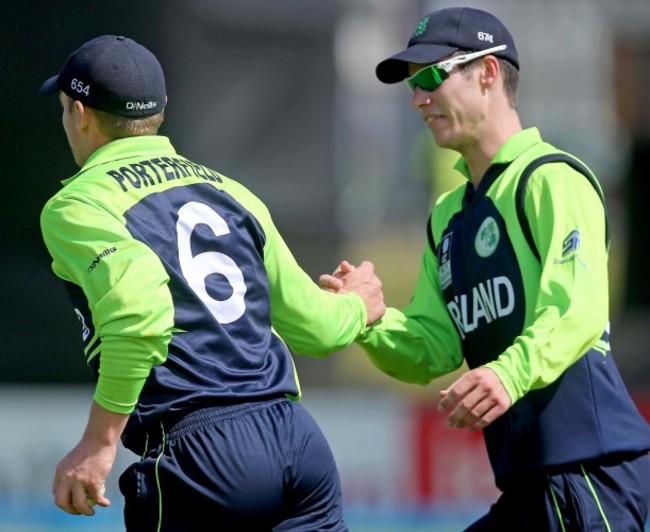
x=420, y=343
x=571, y=308
x=311, y=321
x=132, y=313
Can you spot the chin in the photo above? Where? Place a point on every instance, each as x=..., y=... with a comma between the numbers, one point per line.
x=449, y=139
x=445, y=142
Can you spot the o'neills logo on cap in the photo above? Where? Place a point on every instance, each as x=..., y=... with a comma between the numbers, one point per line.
x=139, y=106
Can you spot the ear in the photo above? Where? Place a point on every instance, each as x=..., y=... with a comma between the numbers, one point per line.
x=82, y=115
x=490, y=72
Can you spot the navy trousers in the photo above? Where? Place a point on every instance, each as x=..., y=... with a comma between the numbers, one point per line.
x=255, y=466
x=609, y=496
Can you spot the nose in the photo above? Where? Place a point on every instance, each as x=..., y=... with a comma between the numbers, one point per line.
x=420, y=98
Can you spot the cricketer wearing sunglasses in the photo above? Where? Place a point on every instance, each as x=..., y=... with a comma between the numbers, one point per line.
x=513, y=281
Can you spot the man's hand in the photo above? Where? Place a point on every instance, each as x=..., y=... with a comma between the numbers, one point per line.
x=362, y=281
x=335, y=282
x=474, y=400
x=79, y=477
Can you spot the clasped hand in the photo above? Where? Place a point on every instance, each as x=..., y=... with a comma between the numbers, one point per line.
x=361, y=280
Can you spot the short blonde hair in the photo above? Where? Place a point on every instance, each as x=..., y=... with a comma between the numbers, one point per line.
x=118, y=127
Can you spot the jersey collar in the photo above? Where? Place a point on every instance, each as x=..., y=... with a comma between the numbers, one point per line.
x=509, y=151
x=125, y=148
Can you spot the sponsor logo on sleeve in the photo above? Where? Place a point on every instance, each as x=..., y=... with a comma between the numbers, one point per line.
x=570, y=247
x=571, y=242
x=99, y=257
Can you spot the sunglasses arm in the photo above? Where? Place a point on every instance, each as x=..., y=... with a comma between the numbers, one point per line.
x=449, y=64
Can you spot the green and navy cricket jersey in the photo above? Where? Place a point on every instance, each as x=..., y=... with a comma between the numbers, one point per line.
x=541, y=325
x=186, y=292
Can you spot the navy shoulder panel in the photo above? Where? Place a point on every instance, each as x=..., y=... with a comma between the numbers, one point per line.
x=523, y=181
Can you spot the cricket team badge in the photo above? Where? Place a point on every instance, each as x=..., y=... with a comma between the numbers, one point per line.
x=487, y=237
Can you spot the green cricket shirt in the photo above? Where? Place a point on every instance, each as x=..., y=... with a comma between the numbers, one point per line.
x=541, y=325
x=186, y=293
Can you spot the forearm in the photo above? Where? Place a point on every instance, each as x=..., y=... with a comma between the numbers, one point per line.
x=322, y=323
x=124, y=368
x=104, y=427
x=310, y=320
x=419, y=343
x=549, y=347
x=411, y=349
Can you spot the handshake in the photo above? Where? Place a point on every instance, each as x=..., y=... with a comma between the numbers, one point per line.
x=362, y=281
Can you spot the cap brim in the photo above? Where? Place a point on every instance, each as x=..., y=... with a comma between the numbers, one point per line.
x=50, y=87
x=396, y=68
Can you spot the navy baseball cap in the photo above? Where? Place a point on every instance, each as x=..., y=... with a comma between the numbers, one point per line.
x=113, y=74
x=444, y=32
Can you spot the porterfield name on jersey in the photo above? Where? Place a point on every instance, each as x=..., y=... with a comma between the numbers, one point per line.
x=155, y=171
